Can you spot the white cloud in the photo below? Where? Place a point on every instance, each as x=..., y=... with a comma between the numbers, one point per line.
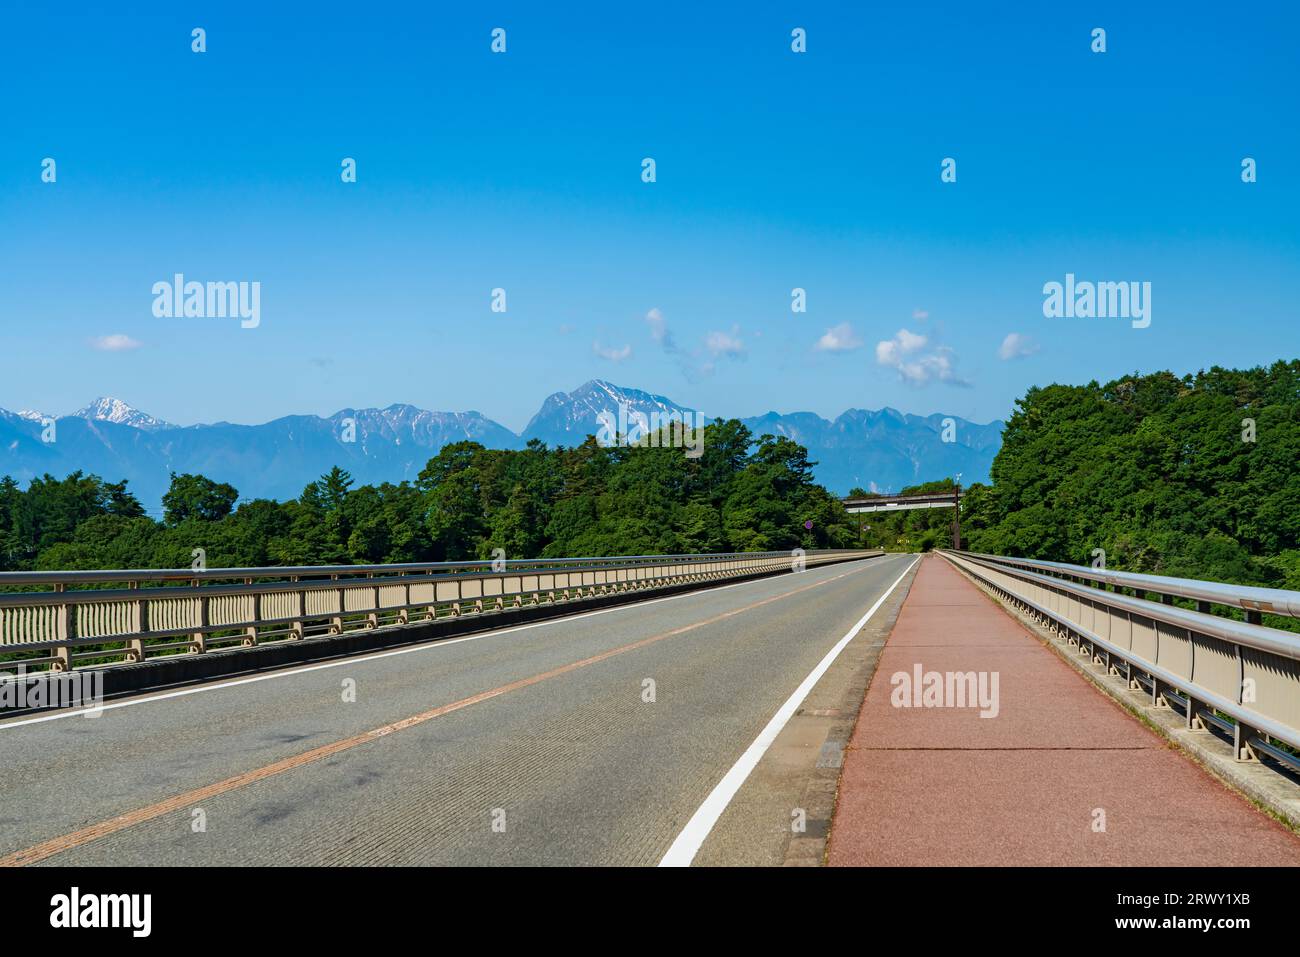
x=114, y=343
x=890, y=352
x=611, y=353
x=918, y=365
x=920, y=315
x=1016, y=346
x=722, y=344
x=659, y=330
x=698, y=361
x=839, y=338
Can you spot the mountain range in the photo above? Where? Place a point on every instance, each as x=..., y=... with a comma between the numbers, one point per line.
x=882, y=450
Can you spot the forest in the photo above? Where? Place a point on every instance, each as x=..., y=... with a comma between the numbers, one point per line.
x=741, y=494
x=1193, y=476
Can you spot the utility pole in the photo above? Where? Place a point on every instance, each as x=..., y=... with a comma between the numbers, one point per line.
x=956, y=517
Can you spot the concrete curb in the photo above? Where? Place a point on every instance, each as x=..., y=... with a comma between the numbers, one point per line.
x=176, y=671
x=1272, y=791
x=823, y=790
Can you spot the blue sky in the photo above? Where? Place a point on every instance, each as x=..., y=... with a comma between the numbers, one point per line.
x=522, y=171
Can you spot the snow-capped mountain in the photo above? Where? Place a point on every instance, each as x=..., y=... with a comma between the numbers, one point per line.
x=108, y=409
x=883, y=450
x=567, y=418
x=273, y=460
x=408, y=425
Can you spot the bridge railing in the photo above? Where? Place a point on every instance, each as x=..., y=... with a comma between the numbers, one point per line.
x=1242, y=677
x=113, y=617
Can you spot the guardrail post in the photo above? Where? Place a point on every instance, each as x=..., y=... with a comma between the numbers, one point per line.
x=1158, y=699
x=300, y=624
x=135, y=646
x=1241, y=746
x=432, y=610
x=250, y=633
x=372, y=619
x=336, y=622
x=199, y=639
x=63, y=653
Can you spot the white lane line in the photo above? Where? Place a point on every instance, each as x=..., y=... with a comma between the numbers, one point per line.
x=689, y=841
x=432, y=645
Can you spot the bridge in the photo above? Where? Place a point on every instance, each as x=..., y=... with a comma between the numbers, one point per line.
x=902, y=503
x=836, y=707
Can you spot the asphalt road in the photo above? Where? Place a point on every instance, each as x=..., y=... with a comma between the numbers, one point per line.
x=533, y=745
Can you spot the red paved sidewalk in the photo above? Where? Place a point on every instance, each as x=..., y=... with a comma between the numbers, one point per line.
x=943, y=786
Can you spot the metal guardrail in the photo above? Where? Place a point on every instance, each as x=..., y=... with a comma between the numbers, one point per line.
x=151, y=612
x=1253, y=600
x=1215, y=668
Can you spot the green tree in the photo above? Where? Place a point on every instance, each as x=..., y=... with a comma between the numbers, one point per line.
x=194, y=497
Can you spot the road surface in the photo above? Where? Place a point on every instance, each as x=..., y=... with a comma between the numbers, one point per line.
x=533, y=745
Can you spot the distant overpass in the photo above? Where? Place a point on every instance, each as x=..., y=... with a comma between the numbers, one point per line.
x=900, y=503
x=903, y=503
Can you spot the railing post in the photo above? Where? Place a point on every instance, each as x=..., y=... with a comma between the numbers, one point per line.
x=200, y=638
x=1133, y=683
x=63, y=653
x=1242, y=733
x=135, y=645
x=300, y=625
x=1241, y=746
x=250, y=633
x=336, y=622
x=1158, y=693
x=372, y=619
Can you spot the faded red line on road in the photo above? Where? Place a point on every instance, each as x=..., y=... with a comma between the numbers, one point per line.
x=57, y=845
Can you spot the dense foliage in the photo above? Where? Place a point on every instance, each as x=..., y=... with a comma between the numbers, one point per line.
x=739, y=495
x=1193, y=477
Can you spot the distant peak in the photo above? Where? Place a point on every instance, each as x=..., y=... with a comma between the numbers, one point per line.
x=108, y=409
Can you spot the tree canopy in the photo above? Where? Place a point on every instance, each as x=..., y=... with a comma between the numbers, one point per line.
x=740, y=494
x=1191, y=476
